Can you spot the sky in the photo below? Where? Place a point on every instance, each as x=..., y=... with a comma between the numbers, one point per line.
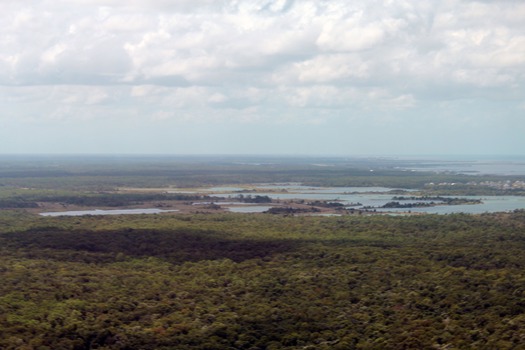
x=362, y=77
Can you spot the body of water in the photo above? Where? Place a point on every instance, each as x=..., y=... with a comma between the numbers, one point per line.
x=107, y=212
x=474, y=166
x=489, y=205
x=250, y=209
x=376, y=197
x=352, y=197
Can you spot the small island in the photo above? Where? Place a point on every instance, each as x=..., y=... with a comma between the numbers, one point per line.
x=428, y=201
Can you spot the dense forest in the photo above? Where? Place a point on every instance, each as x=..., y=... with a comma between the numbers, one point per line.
x=257, y=281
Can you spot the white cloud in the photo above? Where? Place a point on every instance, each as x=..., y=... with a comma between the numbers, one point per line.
x=349, y=35
x=205, y=41
x=327, y=68
x=262, y=61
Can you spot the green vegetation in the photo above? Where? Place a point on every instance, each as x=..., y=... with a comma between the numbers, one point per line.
x=108, y=173
x=251, y=281
x=252, y=199
x=237, y=281
x=29, y=200
x=429, y=201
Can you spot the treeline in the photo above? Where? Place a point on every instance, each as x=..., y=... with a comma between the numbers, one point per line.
x=17, y=202
x=99, y=199
x=329, y=204
x=236, y=281
x=252, y=199
x=428, y=201
x=108, y=174
x=446, y=200
x=291, y=210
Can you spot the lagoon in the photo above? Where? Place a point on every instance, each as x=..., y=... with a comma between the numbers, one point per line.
x=378, y=196
x=490, y=205
x=250, y=209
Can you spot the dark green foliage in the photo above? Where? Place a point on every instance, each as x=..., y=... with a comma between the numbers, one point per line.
x=326, y=204
x=30, y=200
x=175, y=246
x=17, y=202
x=233, y=281
x=291, y=210
x=429, y=201
x=253, y=199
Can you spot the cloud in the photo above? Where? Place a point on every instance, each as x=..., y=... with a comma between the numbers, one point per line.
x=349, y=35
x=325, y=68
x=204, y=41
x=262, y=61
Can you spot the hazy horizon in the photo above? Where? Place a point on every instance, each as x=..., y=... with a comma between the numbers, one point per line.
x=408, y=157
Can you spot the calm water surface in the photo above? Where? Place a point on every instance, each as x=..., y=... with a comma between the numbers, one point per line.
x=250, y=209
x=352, y=197
x=372, y=197
x=511, y=165
x=107, y=212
